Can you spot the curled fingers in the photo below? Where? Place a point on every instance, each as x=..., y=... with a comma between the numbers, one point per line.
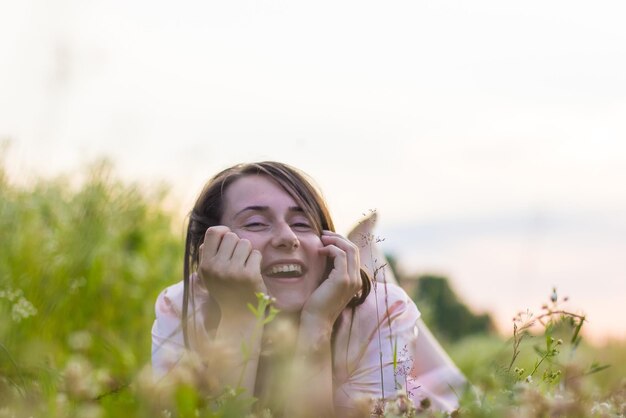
x=345, y=257
x=223, y=255
x=350, y=249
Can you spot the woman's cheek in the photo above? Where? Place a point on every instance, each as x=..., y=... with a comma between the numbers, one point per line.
x=250, y=236
x=317, y=241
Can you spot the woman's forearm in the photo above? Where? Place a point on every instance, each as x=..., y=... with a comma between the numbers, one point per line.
x=311, y=385
x=243, y=333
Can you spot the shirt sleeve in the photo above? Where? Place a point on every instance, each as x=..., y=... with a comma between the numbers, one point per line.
x=167, y=338
x=168, y=345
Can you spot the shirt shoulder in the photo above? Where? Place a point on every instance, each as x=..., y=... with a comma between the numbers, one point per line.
x=387, y=312
x=168, y=343
x=169, y=303
x=369, y=342
x=388, y=300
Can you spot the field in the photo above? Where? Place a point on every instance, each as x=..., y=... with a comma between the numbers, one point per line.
x=81, y=266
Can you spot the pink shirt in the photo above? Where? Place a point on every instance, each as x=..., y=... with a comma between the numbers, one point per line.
x=386, y=322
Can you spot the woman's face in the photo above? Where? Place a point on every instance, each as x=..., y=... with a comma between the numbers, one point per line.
x=260, y=210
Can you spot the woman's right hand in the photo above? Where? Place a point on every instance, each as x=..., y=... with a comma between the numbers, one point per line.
x=230, y=269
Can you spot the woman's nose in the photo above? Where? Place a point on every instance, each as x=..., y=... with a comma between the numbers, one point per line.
x=285, y=237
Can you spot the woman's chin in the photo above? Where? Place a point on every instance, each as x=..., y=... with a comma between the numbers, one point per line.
x=287, y=303
x=288, y=299
x=288, y=306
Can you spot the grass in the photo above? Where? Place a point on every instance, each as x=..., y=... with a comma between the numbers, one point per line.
x=80, y=269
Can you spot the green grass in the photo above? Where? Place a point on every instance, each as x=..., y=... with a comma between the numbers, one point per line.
x=81, y=266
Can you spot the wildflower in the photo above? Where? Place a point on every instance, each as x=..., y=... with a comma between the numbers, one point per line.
x=601, y=408
x=403, y=403
x=79, y=340
x=158, y=394
x=21, y=307
x=200, y=369
x=10, y=295
x=78, y=381
x=76, y=284
x=266, y=297
x=402, y=406
x=22, y=310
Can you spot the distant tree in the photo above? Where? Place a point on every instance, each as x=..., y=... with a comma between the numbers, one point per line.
x=392, y=262
x=444, y=313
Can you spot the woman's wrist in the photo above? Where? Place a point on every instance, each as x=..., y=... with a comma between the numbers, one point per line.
x=315, y=321
x=314, y=335
x=319, y=320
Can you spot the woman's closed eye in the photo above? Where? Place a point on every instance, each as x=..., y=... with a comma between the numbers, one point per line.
x=301, y=226
x=255, y=225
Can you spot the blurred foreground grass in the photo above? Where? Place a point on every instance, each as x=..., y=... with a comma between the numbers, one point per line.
x=81, y=266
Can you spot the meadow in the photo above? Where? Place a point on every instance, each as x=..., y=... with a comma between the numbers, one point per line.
x=81, y=264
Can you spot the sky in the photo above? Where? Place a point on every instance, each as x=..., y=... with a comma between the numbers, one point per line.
x=489, y=136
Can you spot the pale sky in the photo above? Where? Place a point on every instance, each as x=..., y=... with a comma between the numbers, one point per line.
x=490, y=136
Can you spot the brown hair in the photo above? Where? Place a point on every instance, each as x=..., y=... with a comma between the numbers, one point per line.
x=208, y=210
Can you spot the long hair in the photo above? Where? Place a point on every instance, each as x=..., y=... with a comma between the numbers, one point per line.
x=208, y=211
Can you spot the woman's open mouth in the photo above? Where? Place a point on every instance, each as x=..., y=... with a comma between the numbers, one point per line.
x=283, y=271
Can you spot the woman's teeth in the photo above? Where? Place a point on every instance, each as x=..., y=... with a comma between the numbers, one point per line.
x=285, y=268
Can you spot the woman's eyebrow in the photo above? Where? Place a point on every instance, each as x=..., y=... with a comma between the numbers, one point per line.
x=253, y=209
x=259, y=208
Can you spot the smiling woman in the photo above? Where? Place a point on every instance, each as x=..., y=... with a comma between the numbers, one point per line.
x=266, y=221
x=262, y=228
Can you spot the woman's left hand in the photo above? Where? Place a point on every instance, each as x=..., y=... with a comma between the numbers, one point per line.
x=343, y=282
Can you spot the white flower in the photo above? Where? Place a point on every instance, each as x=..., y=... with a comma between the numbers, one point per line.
x=602, y=407
x=79, y=340
x=22, y=309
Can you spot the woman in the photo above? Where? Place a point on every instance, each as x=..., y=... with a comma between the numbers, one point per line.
x=263, y=227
